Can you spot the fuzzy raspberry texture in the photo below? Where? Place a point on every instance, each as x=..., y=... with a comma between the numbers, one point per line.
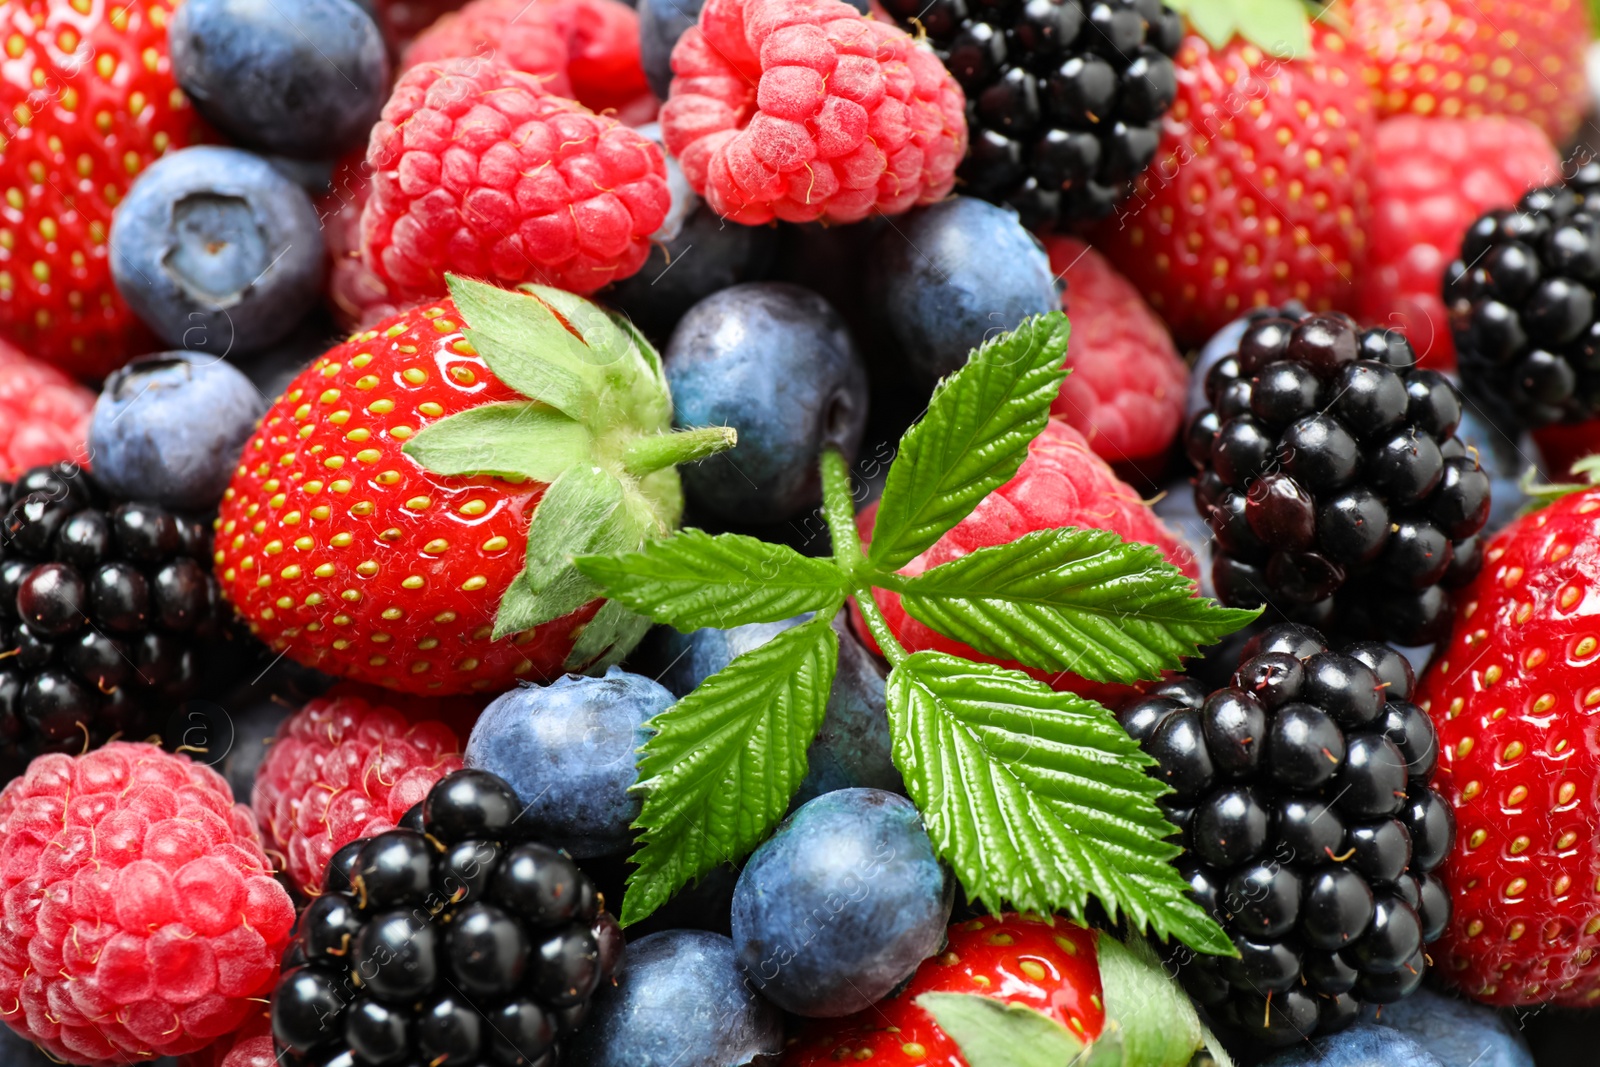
x=1125, y=392
x=803, y=109
x=44, y=415
x=139, y=915
x=1061, y=483
x=344, y=767
x=357, y=297
x=477, y=170
x=249, y=1046
x=1431, y=179
x=585, y=49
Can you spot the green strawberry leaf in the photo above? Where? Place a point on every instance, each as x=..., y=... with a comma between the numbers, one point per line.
x=692, y=579
x=993, y=1033
x=530, y=349
x=1154, y=1017
x=525, y=440
x=723, y=763
x=971, y=440
x=1070, y=599
x=606, y=638
x=1281, y=28
x=1038, y=798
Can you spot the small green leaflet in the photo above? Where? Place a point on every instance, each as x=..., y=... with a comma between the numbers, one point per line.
x=1070, y=599
x=606, y=638
x=1155, y=1018
x=971, y=440
x=526, y=440
x=719, y=771
x=693, y=579
x=992, y=1033
x=1282, y=28
x=1037, y=797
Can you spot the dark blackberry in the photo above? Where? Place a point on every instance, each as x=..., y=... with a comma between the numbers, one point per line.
x=1334, y=482
x=104, y=607
x=1523, y=310
x=463, y=942
x=1310, y=830
x=1064, y=97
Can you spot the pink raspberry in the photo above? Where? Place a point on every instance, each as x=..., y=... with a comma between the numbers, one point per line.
x=358, y=297
x=477, y=170
x=343, y=767
x=139, y=916
x=44, y=415
x=1125, y=392
x=250, y=1046
x=803, y=109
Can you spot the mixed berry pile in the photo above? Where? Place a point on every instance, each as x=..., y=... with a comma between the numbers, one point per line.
x=718, y=533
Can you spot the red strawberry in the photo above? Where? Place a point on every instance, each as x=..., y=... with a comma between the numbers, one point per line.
x=89, y=89
x=1467, y=58
x=1258, y=193
x=1125, y=392
x=1061, y=483
x=1020, y=959
x=373, y=532
x=1431, y=179
x=1514, y=694
x=44, y=415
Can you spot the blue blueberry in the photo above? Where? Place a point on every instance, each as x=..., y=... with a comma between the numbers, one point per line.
x=679, y=1001
x=957, y=273
x=841, y=904
x=852, y=746
x=272, y=371
x=1457, y=1031
x=168, y=428
x=1503, y=460
x=776, y=362
x=1362, y=1045
x=661, y=23
x=302, y=78
x=569, y=749
x=217, y=251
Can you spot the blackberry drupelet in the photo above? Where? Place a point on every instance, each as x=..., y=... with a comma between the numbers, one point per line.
x=454, y=939
x=103, y=606
x=1309, y=829
x=1522, y=306
x=1064, y=97
x=1332, y=478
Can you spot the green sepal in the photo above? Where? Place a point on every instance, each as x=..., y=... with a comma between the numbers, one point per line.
x=1541, y=493
x=1153, y=1016
x=529, y=349
x=1282, y=28
x=993, y=1033
x=606, y=639
x=522, y=439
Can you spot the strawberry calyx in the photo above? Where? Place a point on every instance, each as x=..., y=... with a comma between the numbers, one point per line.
x=1541, y=494
x=595, y=428
x=1281, y=28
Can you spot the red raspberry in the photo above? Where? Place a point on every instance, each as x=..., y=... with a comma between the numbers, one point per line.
x=359, y=298
x=585, y=49
x=1125, y=392
x=344, y=767
x=477, y=170
x=250, y=1046
x=44, y=415
x=1431, y=178
x=1061, y=483
x=803, y=110
x=139, y=916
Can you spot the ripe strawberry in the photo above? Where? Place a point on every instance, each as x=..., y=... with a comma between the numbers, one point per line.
x=44, y=415
x=1431, y=179
x=1258, y=193
x=90, y=99
x=1019, y=959
x=1513, y=694
x=370, y=530
x=1467, y=58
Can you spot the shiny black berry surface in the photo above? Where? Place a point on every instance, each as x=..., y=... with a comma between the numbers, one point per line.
x=107, y=608
x=1333, y=481
x=1523, y=310
x=1064, y=97
x=1310, y=828
x=454, y=939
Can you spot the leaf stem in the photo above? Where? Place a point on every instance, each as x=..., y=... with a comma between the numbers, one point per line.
x=646, y=455
x=838, y=508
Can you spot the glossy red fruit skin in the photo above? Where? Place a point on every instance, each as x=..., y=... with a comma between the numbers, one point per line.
x=1020, y=959
x=1515, y=696
x=1258, y=193
x=90, y=101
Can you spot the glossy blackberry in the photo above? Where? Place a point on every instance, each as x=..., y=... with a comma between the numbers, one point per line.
x=1523, y=310
x=1302, y=800
x=104, y=608
x=1333, y=481
x=464, y=941
x=1064, y=97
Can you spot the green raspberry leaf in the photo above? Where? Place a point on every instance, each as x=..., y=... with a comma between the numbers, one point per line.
x=992, y=1033
x=724, y=761
x=1038, y=798
x=971, y=440
x=525, y=440
x=692, y=579
x=1071, y=599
